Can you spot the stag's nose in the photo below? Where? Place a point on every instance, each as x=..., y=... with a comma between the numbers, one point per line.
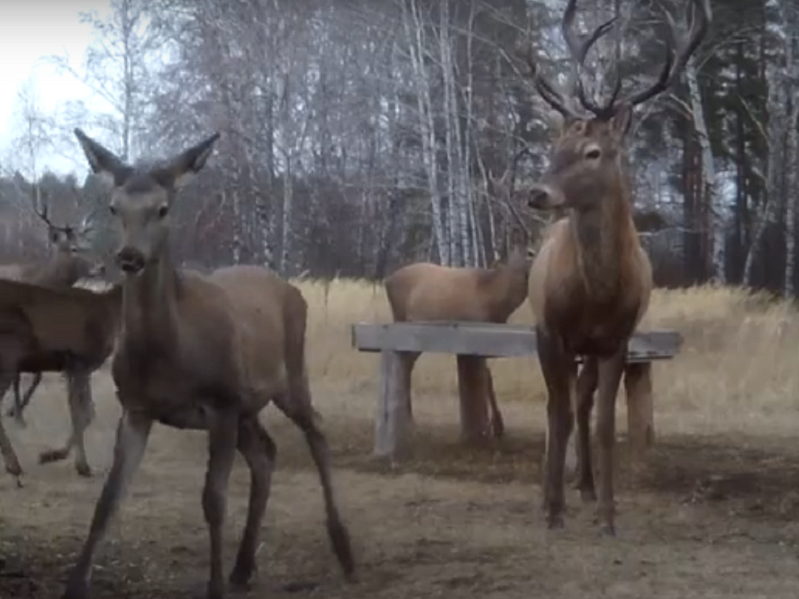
x=542, y=197
x=130, y=260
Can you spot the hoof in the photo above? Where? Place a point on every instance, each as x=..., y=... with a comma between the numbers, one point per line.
x=555, y=522
x=239, y=579
x=51, y=455
x=607, y=531
x=587, y=495
x=84, y=470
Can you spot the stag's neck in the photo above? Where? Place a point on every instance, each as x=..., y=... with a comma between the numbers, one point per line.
x=149, y=312
x=605, y=237
x=61, y=271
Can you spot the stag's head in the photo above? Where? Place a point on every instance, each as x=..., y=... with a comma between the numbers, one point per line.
x=71, y=245
x=586, y=159
x=142, y=197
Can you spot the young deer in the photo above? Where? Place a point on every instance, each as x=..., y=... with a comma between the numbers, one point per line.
x=591, y=280
x=200, y=352
x=425, y=291
x=69, y=262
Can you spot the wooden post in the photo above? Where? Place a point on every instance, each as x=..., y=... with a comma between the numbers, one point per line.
x=640, y=408
x=391, y=420
x=473, y=389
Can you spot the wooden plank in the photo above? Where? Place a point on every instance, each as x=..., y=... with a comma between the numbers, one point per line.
x=489, y=340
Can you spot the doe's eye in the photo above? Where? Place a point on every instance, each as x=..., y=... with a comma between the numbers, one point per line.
x=593, y=154
x=112, y=210
x=163, y=211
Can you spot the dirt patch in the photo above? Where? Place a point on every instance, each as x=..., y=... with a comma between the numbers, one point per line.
x=705, y=518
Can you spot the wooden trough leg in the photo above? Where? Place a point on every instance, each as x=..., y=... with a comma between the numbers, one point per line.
x=391, y=419
x=473, y=389
x=640, y=409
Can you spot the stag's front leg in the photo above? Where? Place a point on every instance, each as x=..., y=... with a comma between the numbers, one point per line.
x=558, y=368
x=610, y=372
x=223, y=433
x=133, y=431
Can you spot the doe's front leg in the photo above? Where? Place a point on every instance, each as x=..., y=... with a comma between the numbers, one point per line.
x=133, y=432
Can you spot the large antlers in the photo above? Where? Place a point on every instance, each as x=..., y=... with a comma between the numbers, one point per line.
x=698, y=16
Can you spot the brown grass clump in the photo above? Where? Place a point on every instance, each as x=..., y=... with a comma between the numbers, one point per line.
x=737, y=372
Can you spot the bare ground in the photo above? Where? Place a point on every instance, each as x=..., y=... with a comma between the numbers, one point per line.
x=706, y=517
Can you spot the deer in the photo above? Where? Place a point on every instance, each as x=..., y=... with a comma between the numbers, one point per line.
x=424, y=291
x=68, y=263
x=200, y=352
x=70, y=330
x=591, y=281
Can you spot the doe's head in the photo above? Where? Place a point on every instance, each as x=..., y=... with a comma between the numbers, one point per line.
x=141, y=197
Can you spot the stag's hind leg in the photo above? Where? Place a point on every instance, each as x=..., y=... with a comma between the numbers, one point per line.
x=610, y=373
x=297, y=406
x=10, y=458
x=258, y=450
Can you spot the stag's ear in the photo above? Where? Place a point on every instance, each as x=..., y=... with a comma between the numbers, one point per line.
x=102, y=161
x=190, y=162
x=621, y=120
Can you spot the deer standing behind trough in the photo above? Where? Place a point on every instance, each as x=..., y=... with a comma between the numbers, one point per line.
x=69, y=330
x=424, y=291
x=69, y=261
x=200, y=352
x=591, y=280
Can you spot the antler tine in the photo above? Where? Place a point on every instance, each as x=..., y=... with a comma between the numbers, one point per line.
x=579, y=47
x=546, y=89
x=41, y=211
x=699, y=17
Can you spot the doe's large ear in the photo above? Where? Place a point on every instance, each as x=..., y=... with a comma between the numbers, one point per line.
x=191, y=161
x=621, y=120
x=103, y=162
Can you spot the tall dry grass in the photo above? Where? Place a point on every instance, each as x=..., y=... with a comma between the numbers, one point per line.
x=738, y=371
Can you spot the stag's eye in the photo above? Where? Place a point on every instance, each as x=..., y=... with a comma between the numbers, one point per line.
x=163, y=211
x=593, y=154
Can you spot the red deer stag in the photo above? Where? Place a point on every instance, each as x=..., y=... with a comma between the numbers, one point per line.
x=591, y=280
x=427, y=291
x=69, y=262
x=69, y=330
x=202, y=352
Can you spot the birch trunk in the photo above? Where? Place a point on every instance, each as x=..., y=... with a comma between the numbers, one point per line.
x=709, y=193
x=414, y=32
x=777, y=97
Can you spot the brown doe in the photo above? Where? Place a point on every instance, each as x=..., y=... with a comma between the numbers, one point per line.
x=69, y=330
x=69, y=262
x=430, y=292
x=591, y=281
x=204, y=353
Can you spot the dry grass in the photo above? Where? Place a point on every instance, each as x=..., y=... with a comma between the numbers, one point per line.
x=713, y=514
x=737, y=371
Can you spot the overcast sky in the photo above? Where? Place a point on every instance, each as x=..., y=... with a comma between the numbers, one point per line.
x=31, y=30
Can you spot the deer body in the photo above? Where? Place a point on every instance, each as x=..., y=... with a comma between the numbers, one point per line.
x=67, y=264
x=430, y=292
x=200, y=352
x=591, y=281
x=68, y=330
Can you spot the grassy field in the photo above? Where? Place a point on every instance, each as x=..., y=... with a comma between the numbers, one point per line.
x=713, y=514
